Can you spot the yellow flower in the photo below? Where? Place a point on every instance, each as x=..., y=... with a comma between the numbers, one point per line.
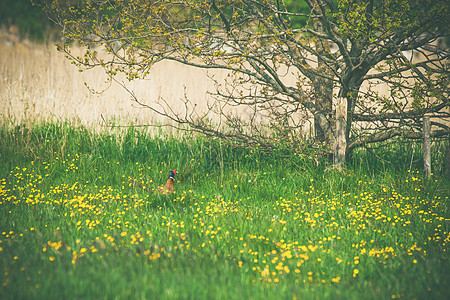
x=336, y=280
x=51, y=258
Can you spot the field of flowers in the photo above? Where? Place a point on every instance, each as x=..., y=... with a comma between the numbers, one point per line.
x=240, y=223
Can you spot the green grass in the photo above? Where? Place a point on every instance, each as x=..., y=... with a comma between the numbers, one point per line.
x=241, y=224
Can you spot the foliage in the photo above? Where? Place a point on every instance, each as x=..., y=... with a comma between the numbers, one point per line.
x=284, y=62
x=240, y=224
x=30, y=20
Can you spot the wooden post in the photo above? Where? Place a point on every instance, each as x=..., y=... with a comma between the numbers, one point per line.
x=426, y=146
x=447, y=164
x=340, y=143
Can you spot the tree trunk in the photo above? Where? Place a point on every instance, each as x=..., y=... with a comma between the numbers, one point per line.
x=323, y=101
x=340, y=140
x=323, y=92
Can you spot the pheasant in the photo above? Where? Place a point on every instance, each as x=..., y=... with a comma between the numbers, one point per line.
x=168, y=188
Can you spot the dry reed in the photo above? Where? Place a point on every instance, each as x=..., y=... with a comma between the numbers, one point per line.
x=37, y=83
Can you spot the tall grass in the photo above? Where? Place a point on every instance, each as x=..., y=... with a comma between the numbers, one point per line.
x=242, y=223
x=40, y=83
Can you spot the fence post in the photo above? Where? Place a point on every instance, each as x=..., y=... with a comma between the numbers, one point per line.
x=447, y=163
x=426, y=145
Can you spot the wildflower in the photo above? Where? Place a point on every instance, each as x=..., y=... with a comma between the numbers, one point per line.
x=336, y=279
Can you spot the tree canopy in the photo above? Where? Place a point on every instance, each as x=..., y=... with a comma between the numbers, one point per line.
x=30, y=20
x=338, y=52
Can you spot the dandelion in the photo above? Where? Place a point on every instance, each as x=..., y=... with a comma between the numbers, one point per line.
x=336, y=279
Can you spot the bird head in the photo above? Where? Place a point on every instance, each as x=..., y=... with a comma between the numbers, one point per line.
x=172, y=174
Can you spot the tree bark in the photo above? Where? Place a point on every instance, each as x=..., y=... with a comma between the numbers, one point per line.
x=324, y=99
x=323, y=92
x=340, y=140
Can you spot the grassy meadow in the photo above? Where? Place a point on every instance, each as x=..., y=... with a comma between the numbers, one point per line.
x=242, y=224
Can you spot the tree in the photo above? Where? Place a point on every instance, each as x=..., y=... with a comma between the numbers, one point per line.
x=30, y=21
x=338, y=52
